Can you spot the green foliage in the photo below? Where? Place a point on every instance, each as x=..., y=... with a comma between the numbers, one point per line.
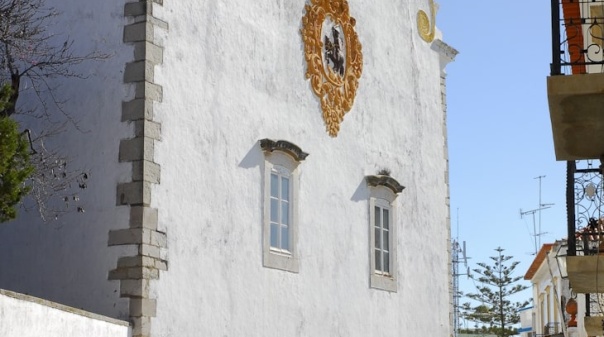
x=495, y=313
x=5, y=96
x=15, y=168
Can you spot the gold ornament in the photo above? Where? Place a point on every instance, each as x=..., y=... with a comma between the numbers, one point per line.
x=425, y=26
x=334, y=58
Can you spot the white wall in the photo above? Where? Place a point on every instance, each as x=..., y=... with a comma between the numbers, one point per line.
x=234, y=73
x=27, y=316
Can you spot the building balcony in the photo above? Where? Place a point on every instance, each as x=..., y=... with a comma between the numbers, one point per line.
x=586, y=274
x=576, y=105
x=593, y=325
x=575, y=88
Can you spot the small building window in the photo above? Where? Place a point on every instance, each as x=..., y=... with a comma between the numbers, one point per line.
x=382, y=237
x=280, y=209
x=280, y=225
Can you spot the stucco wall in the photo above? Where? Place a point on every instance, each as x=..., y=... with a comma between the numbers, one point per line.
x=27, y=316
x=67, y=260
x=234, y=73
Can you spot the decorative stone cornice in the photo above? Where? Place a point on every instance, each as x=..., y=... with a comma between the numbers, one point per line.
x=269, y=145
x=386, y=181
x=446, y=53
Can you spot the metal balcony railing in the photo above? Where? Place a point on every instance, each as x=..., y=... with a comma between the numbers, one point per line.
x=584, y=207
x=552, y=328
x=577, y=36
x=585, y=211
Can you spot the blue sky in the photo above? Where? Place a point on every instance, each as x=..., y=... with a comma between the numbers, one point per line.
x=499, y=128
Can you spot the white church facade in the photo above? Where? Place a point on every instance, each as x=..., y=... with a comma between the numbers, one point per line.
x=255, y=169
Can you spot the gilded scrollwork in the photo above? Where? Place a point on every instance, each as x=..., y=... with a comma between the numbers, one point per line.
x=427, y=26
x=334, y=58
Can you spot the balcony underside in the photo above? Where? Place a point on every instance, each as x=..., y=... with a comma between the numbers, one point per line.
x=576, y=105
x=586, y=273
x=593, y=325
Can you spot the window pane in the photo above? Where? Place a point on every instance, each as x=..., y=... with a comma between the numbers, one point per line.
x=385, y=237
x=377, y=217
x=285, y=213
x=377, y=234
x=275, y=235
x=386, y=219
x=274, y=210
x=285, y=189
x=285, y=237
x=386, y=262
x=378, y=260
x=274, y=185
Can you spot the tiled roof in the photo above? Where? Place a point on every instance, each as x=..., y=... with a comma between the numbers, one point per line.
x=538, y=261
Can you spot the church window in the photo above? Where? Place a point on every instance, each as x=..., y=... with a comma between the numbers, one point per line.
x=383, y=191
x=280, y=223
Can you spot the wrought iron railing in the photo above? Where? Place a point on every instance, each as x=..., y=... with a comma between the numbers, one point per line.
x=584, y=207
x=552, y=328
x=577, y=36
x=585, y=211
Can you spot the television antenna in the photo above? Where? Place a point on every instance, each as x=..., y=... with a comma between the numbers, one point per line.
x=537, y=225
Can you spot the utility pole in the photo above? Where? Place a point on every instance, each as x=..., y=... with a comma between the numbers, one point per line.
x=456, y=251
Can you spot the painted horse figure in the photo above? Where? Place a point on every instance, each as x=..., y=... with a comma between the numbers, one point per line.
x=334, y=53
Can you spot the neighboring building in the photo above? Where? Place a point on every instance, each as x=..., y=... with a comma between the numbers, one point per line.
x=27, y=316
x=526, y=322
x=551, y=294
x=575, y=95
x=229, y=195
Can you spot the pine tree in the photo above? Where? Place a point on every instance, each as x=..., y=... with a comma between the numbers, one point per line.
x=495, y=311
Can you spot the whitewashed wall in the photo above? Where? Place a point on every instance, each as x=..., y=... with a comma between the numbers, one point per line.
x=233, y=73
x=27, y=316
x=68, y=260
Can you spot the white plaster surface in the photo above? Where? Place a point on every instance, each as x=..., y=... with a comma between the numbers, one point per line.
x=67, y=261
x=234, y=73
x=27, y=316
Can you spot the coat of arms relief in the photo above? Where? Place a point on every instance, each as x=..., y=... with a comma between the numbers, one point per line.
x=334, y=58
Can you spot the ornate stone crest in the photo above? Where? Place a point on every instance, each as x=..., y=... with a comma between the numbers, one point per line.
x=334, y=58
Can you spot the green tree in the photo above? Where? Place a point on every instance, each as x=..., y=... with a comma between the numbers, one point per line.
x=15, y=166
x=34, y=57
x=495, y=311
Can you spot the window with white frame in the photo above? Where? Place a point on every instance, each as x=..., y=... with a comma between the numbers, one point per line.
x=382, y=232
x=280, y=223
x=381, y=227
x=280, y=209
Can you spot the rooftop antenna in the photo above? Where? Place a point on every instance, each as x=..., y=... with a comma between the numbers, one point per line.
x=537, y=230
x=456, y=250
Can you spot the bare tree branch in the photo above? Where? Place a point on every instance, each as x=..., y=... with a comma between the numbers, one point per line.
x=32, y=56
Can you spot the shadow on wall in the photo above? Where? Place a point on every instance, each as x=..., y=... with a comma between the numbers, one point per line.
x=361, y=193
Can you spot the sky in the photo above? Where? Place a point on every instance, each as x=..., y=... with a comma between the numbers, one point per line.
x=499, y=130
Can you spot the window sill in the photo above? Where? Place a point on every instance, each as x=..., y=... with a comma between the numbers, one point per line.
x=383, y=282
x=278, y=260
